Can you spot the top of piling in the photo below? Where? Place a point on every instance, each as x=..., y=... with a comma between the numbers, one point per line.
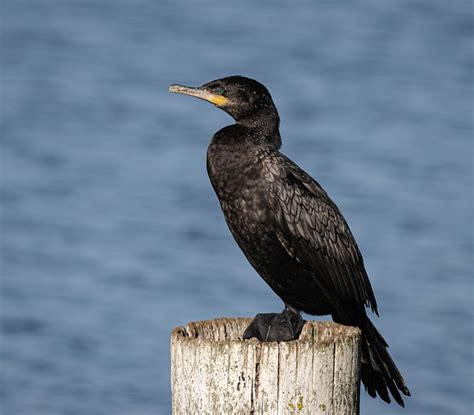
x=230, y=330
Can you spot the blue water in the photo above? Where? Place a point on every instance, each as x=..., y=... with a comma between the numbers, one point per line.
x=111, y=234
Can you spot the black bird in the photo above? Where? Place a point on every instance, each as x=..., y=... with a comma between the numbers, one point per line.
x=289, y=229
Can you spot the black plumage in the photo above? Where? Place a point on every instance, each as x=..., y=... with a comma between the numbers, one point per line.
x=289, y=229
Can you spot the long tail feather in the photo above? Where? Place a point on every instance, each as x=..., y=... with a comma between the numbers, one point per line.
x=379, y=373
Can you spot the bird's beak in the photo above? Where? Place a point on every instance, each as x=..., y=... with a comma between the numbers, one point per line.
x=200, y=93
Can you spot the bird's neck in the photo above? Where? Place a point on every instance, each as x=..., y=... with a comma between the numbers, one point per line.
x=264, y=126
x=263, y=116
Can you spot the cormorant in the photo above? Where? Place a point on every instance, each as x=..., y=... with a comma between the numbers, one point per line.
x=289, y=229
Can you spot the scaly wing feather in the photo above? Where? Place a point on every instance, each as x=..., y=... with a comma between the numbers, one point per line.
x=314, y=232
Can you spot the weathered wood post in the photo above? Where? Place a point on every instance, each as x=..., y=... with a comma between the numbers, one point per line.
x=214, y=371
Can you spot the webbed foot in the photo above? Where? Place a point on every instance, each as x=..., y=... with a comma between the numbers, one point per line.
x=272, y=327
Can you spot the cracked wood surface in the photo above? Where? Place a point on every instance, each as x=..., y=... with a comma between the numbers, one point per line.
x=214, y=371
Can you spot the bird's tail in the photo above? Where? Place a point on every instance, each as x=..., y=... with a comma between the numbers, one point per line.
x=379, y=373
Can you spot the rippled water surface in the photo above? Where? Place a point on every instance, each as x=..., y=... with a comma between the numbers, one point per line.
x=111, y=234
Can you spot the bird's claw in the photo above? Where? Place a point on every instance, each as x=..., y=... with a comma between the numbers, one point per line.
x=271, y=327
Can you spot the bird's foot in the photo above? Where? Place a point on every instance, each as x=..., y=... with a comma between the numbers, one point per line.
x=277, y=327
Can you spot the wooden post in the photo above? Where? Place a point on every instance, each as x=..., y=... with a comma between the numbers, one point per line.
x=214, y=371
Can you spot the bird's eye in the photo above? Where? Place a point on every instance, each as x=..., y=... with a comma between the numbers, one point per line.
x=219, y=90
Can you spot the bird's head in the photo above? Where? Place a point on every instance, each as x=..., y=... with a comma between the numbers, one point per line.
x=244, y=99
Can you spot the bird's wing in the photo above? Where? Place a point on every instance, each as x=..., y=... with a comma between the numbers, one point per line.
x=314, y=232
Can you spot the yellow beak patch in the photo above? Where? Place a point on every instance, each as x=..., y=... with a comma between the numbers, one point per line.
x=218, y=100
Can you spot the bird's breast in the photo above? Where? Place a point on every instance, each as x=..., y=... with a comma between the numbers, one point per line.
x=239, y=181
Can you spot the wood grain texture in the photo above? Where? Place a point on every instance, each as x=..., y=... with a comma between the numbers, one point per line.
x=214, y=371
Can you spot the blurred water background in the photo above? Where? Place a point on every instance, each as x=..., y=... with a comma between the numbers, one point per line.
x=111, y=234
